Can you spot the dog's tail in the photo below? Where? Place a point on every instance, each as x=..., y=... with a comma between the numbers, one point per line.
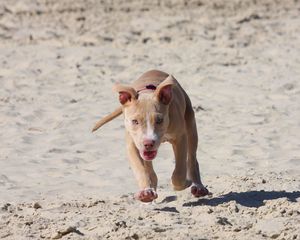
x=107, y=118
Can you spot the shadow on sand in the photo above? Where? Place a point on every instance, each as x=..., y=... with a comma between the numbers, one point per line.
x=247, y=199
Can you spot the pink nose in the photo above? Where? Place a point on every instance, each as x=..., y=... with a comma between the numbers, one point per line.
x=148, y=143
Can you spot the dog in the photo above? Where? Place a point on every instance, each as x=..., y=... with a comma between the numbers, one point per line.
x=156, y=109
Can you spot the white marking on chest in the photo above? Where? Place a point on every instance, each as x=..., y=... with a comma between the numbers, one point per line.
x=167, y=138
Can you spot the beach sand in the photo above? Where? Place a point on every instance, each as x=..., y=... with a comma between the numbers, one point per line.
x=238, y=61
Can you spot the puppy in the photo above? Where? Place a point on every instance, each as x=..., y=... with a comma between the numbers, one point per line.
x=156, y=109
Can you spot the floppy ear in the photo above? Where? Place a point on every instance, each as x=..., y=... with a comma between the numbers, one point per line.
x=126, y=93
x=164, y=90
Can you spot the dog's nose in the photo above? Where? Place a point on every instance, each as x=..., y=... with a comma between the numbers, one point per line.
x=148, y=143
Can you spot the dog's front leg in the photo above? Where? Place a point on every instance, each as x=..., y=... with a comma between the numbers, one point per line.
x=179, y=177
x=143, y=171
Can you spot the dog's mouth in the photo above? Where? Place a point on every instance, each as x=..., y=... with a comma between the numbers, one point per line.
x=149, y=155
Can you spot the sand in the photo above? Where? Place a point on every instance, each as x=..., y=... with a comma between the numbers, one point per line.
x=237, y=60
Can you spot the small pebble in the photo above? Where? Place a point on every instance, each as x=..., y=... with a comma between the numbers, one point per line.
x=209, y=211
x=135, y=236
x=37, y=205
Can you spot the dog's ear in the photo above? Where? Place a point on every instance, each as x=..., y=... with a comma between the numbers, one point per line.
x=126, y=93
x=164, y=90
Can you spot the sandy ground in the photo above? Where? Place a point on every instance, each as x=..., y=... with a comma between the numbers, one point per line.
x=238, y=61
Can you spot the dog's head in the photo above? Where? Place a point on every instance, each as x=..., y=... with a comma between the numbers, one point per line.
x=146, y=115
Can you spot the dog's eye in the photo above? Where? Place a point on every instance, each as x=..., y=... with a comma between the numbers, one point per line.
x=159, y=120
x=135, y=122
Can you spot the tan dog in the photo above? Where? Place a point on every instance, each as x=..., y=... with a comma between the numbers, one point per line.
x=156, y=109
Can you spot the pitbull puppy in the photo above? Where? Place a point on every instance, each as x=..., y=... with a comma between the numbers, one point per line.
x=156, y=109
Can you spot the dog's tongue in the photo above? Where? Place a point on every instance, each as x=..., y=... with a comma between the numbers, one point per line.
x=149, y=155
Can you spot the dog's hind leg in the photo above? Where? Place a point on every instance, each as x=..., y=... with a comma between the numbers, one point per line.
x=179, y=177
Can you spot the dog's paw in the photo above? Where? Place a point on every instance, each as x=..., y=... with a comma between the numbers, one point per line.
x=146, y=195
x=199, y=190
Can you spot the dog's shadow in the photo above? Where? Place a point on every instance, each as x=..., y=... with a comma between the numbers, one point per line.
x=248, y=199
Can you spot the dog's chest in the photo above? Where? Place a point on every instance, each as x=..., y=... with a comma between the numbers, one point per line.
x=167, y=138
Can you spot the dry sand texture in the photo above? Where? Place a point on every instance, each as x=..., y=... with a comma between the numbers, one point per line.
x=239, y=62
